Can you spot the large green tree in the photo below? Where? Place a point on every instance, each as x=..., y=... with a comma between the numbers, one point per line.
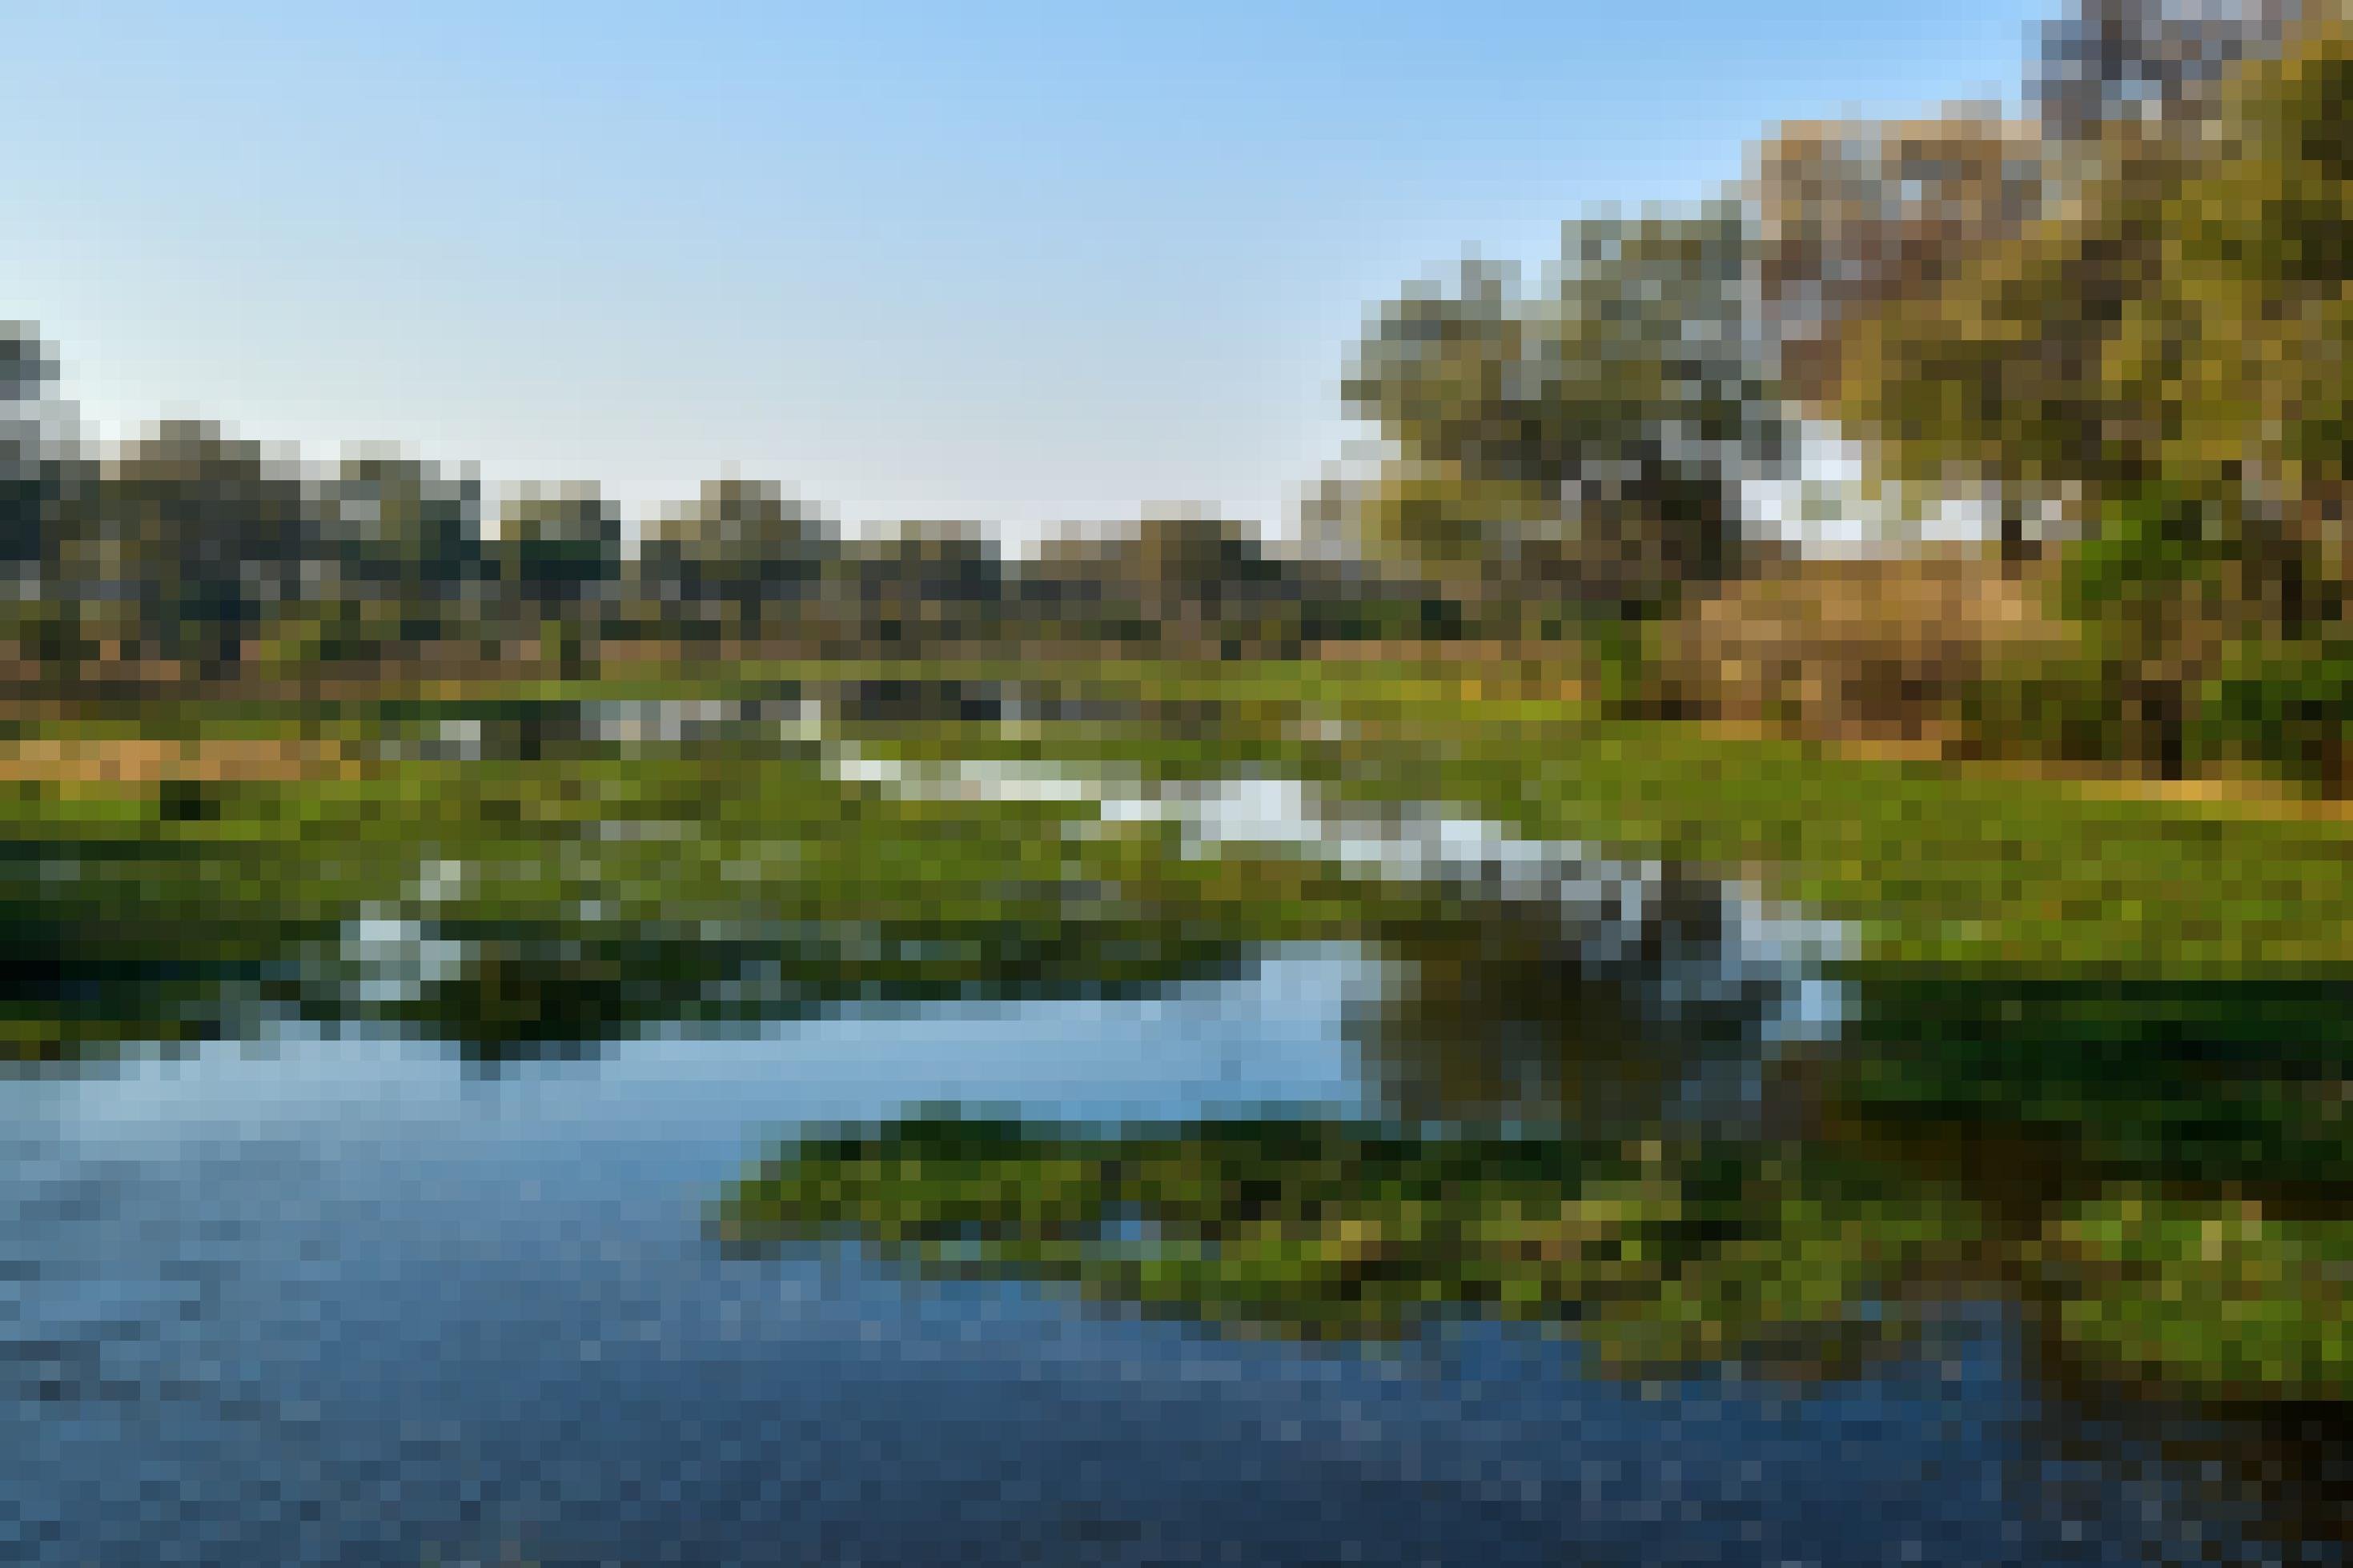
x=1589, y=442
x=2160, y=360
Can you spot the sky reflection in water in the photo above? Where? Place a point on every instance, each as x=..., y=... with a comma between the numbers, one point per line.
x=351, y=1300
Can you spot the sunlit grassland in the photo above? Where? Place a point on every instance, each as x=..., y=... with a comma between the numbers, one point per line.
x=1938, y=864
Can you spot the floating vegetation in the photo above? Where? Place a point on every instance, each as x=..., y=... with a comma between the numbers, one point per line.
x=2221, y=1296
x=1329, y=1229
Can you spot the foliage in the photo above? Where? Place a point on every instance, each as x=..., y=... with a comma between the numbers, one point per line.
x=2160, y=357
x=1588, y=443
x=1333, y=1229
x=2146, y=62
x=2207, y=1291
x=180, y=546
x=1856, y=216
x=735, y=562
x=2287, y=703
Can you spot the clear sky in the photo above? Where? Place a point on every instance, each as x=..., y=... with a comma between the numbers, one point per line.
x=1014, y=262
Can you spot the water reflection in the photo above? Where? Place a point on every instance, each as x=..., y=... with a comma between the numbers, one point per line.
x=2081, y=1081
x=1490, y=1017
x=447, y=1292
x=303, y=1292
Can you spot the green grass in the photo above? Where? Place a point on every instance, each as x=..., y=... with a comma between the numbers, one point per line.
x=636, y=874
x=1322, y=1229
x=2206, y=1293
x=1940, y=866
x=1660, y=1257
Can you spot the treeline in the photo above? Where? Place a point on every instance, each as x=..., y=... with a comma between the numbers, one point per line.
x=2116, y=330
x=193, y=555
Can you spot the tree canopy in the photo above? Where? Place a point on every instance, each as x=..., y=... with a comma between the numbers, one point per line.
x=1592, y=438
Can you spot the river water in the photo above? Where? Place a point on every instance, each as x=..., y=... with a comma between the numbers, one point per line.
x=343, y=1300
x=313, y=1296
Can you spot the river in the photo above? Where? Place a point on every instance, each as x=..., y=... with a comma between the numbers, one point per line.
x=350, y=1295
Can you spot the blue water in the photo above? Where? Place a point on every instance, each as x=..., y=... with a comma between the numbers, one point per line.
x=352, y=1302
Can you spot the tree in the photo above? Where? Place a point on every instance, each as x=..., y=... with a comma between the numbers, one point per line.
x=183, y=545
x=2147, y=61
x=732, y=561
x=1854, y=215
x=29, y=366
x=2161, y=359
x=1993, y=377
x=41, y=467
x=559, y=547
x=398, y=561
x=559, y=564
x=918, y=585
x=1185, y=579
x=31, y=475
x=1592, y=442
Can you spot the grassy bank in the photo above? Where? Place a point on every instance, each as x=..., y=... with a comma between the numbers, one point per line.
x=1941, y=865
x=1938, y=864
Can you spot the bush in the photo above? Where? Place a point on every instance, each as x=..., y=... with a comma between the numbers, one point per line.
x=2286, y=706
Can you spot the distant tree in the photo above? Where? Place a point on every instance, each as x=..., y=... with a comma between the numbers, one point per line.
x=184, y=543
x=918, y=585
x=398, y=562
x=29, y=366
x=40, y=466
x=31, y=475
x=1183, y=580
x=733, y=563
x=1064, y=593
x=558, y=555
x=559, y=547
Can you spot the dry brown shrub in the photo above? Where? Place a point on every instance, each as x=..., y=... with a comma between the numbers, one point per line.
x=1879, y=648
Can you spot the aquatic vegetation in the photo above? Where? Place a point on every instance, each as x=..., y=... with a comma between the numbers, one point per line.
x=1331, y=1229
x=2224, y=1295
x=2033, y=990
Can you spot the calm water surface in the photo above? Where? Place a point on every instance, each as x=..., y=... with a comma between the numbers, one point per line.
x=353, y=1301
x=359, y=1298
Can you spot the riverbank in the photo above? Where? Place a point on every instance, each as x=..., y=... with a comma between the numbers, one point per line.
x=1983, y=866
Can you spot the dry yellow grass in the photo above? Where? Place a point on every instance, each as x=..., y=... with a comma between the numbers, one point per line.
x=1854, y=650
x=140, y=761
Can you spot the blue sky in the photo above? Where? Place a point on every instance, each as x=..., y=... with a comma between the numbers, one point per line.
x=1013, y=262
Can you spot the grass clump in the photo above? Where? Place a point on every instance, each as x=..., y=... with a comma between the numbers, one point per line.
x=2206, y=1292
